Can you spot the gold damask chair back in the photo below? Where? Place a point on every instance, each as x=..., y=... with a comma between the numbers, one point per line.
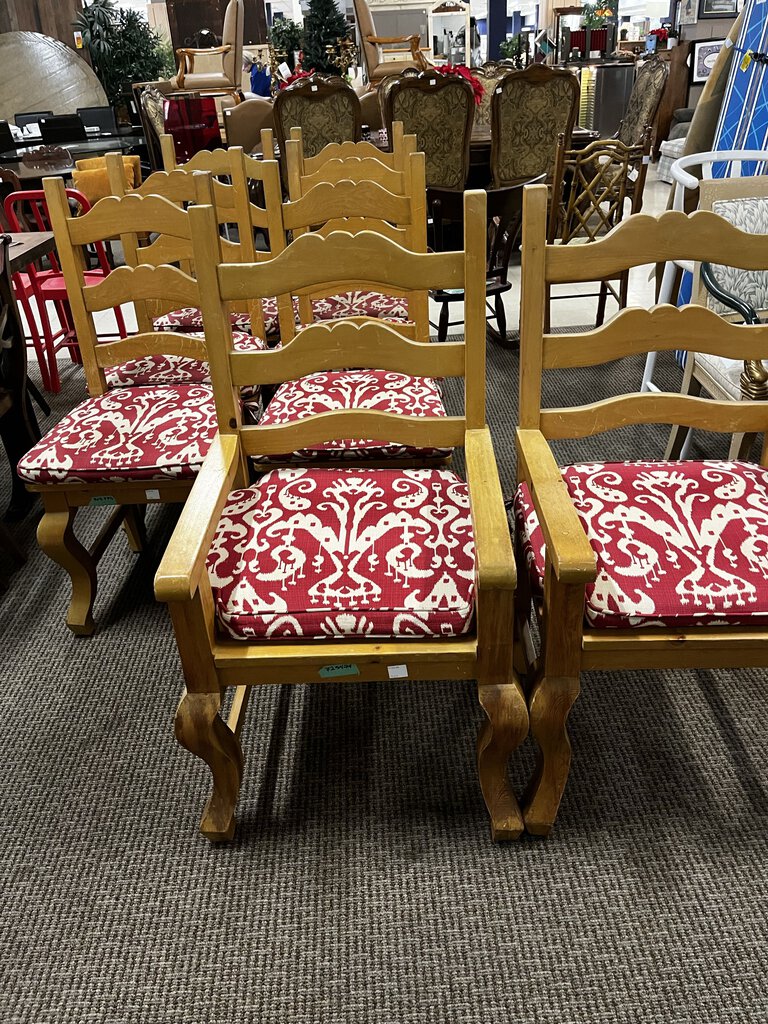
x=439, y=110
x=324, y=107
x=644, y=101
x=251, y=574
x=490, y=74
x=529, y=110
x=638, y=564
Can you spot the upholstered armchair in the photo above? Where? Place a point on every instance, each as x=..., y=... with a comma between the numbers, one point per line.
x=324, y=107
x=231, y=51
x=377, y=69
x=439, y=110
x=529, y=110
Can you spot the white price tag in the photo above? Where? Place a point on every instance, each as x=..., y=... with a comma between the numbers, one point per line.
x=397, y=671
x=152, y=494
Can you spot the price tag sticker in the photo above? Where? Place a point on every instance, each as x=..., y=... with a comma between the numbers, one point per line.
x=339, y=671
x=99, y=500
x=152, y=494
x=397, y=671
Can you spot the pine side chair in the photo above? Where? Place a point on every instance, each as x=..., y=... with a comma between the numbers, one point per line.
x=402, y=146
x=179, y=187
x=369, y=196
x=641, y=564
x=304, y=575
x=125, y=447
x=232, y=172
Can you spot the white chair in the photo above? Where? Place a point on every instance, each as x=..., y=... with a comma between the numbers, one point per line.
x=686, y=181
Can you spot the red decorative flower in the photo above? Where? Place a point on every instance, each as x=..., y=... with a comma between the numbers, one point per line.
x=463, y=71
x=662, y=34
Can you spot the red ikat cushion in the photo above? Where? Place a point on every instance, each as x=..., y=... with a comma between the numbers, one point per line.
x=331, y=553
x=677, y=543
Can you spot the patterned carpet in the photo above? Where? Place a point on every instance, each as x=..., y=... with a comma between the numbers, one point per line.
x=362, y=886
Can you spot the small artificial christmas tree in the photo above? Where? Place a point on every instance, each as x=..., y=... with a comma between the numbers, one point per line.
x=324, y=25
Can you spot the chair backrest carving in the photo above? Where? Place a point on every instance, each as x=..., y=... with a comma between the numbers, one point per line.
x=644, y=101
x=324, y=107
x=637, y=241
x=439, y=110
x=529, y=110
x=379, y=263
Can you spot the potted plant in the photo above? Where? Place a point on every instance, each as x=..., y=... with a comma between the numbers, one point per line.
x=662, y=35
x=286, y=37
x=673, y=37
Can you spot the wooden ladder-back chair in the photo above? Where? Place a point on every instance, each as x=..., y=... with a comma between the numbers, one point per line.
x=632, y=565
x=743, y=202
x=123, y=446
x=529, y=110
x=590, y=194
x=362, y=183
x=298, y=162
x=236, y=626
x=235, y=177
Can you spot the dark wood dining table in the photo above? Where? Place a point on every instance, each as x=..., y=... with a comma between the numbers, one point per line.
x=28, y=246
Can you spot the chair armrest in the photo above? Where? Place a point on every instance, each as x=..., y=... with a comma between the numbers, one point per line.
x=493, y=545
x=568, y=549
x=189, y=51
x=378, y=40
x=184, y=560
x=740, y=306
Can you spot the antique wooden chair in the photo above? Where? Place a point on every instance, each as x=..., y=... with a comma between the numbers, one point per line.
x=590, y=195
x=490, y=74
x=305, y=620
x=233, y=173
x=632, y=564
x=730, y=292
x=326, y=109
x=124, y=447
x=361, y=193
x=439, y=110
x=529, y=110
x=227, y=80
x=644, y=101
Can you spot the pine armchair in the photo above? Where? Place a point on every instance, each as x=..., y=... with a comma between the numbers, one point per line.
x=632, y=564
x=124, y=446
x=231, y=53
x=351, y=573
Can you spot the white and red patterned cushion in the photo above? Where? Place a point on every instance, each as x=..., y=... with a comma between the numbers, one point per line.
x=677, y=543
x=164, y=369
x=191, y=319
x=337, y=552
x=382, y=390
x=335, y=307
x=147, y=433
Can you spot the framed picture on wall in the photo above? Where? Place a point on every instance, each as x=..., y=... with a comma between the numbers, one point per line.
x=718, y=8
x=705, y=53
x=687, y=12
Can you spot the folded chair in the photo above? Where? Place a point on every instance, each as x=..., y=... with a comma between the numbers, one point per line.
x=305, y=574
x=641, y=564
x=123, y=446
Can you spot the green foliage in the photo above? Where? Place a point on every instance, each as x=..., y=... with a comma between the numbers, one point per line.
x=324, y=25
x=286, y=37
x=513, y=50
x=590, y=18
x=123, y=48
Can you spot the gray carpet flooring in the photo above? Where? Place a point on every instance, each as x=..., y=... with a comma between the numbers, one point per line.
x=362, y=885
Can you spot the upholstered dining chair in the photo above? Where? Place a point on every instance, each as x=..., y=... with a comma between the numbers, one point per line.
x=347, y=574
x=644, y=100
x=590, y=196
x=124, y=446
x=326, y=109
x=641, y=564
x=439, y=110
x=489, y=74
x=376, y=68
x=228, y=79
x=529, y=110
x=742, y=202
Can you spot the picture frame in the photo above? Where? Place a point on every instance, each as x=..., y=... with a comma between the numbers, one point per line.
x=687, y=12
x=718, y=9
x=704, y=55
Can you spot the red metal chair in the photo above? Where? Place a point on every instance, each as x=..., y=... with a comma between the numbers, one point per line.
x=28, y=211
